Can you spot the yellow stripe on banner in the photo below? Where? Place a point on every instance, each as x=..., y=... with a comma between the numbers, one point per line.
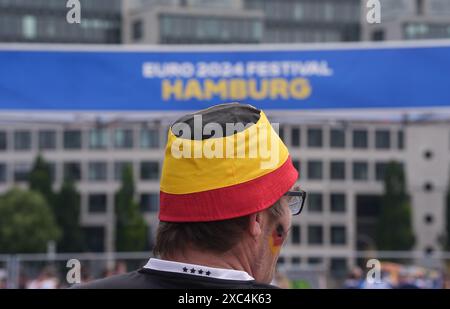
x=200, y=165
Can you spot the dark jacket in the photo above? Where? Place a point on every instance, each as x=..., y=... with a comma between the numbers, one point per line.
x=154, y=279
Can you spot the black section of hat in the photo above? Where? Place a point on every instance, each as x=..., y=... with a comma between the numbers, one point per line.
x=231, y=113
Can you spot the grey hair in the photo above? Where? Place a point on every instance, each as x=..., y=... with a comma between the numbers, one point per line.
x=276, y=210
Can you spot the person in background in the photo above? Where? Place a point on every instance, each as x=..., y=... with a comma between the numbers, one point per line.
x=354, y=279
x=121, y=268
x=405, y=281
x=46, y=280
x=3, y=277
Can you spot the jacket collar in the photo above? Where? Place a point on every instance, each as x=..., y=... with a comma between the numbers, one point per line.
x=198, y=270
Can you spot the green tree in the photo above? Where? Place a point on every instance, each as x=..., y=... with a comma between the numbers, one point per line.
x=65, y=206
x=26, y=222
x=131, y=231
x=394, y=227
x=67, y=213
x=40, y=179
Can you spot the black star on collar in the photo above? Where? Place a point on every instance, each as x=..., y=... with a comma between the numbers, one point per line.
x=208, y=273
x=185, y=269
x=200, y=271
x=192, y=270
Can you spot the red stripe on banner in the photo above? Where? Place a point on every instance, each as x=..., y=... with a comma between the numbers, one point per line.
x=229, y=202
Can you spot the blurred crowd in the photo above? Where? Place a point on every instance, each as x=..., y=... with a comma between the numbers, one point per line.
x=397, y=276
x=50, y=278
x=392, y=276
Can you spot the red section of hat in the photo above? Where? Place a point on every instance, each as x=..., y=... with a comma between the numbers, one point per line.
x=229, y=202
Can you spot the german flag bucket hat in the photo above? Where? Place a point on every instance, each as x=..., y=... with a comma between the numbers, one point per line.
x=223, y=162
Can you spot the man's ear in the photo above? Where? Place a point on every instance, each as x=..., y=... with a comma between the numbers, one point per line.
x=255, y=227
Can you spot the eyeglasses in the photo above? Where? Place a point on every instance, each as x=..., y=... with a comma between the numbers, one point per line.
x=295, y=199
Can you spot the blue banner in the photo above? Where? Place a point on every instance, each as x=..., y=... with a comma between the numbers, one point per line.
x=112, y=80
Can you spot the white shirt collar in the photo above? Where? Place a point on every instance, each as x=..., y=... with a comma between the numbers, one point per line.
x=198, y=270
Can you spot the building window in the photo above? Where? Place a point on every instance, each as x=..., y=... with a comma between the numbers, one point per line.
x=166, y=26
x=360, y=171
x=424, y=31
x=29, y=27
x=380, y=170
x=137, y=30
x=296, y=164
x=382, y=139
x=328, y=11
x=378, y=35
x=119, y=168
x=314, y=260
x=314, y=137
x=149, y=170
x=72, y=139
x=22, y=140
x=296, y=234
x=123, y=138
x=337, y=170
x=337, y=202
x=281, y=133
x=296, y=260
x=338, y=235
x=97, y=171
x=315, y=202
x=400, y=140
x=298, y=11
x=149, y=138
x=338, y=267
x=428, y=219
x=52, y=171
x=315, y=170
x=281, y=260
x=98, y=138
x=3, y=140
x=47, y=140
x=360, y=139
x=3, y=172
x=149, y=202
x=337, y=138
x=97, y=203
x=257, y=30
x=315, y=235
x=72, y=171
x=95, y=238
x=22, y=172
x=419, y=7
x=295, y=137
